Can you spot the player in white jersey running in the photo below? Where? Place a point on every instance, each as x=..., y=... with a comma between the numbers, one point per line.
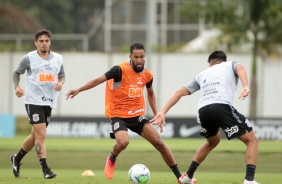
x=218, y=84
x=45, y=78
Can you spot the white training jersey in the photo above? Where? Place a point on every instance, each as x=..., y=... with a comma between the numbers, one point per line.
x=217, y=84
x=40, y=83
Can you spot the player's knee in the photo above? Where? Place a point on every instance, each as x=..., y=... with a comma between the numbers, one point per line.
x=40, y=136
x=159, y=145
x=123, y=144
x=254, y=140
x=250, y=138
x=213, y=141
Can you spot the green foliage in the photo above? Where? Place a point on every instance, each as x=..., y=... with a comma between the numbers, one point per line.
x=54, y=16
x=255, y=22
x=22, y=126
x=236, y=19
x=67, y=16
x=14, y=20
x=169, y=48
x=7, y=46
x=70, y=16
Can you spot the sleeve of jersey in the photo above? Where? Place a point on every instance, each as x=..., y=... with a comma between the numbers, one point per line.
x=149, y=84
x=62, y=72
x=149, y=76
x=192, y=86
x=234, y=64
x=114, y=72
x=23, y=65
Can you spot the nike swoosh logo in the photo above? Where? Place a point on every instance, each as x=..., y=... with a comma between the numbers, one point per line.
x=187, y=132
x=15, y=168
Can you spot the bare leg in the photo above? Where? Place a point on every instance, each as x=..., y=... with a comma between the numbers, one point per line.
x=150, y=134
x=122, y=141
x=252, y=143
x=201, y=155
x=40, y=134
x=205, y=149
x=29, y=141
x=251, y=155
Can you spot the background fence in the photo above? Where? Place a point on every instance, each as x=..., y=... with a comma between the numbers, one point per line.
x=171, y=71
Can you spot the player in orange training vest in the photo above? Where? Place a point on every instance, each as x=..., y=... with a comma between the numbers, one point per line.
x=125, y=106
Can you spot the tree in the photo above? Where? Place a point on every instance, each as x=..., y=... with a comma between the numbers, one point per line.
x=69, y=16
x=13, y=20
x=236, y=20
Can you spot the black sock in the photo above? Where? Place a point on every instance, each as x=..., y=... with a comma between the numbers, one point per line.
x=113, y=157
x=175, y=170
x=250, y=172
x=20, y=155
x=43, y=163
x=193, y=167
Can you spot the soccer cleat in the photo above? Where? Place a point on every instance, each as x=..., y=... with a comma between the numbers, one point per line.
x=184, y=179
x=48, y=174
x=250, y=182
x=15, y=166
x=109, y=169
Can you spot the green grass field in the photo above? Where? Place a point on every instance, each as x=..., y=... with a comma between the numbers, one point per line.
x=68, y=158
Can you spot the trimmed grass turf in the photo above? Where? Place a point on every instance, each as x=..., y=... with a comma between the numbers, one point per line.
x=70, y=157
x=71, y=176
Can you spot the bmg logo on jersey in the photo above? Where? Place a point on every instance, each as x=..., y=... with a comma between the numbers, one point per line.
x=232, y=130
x=135, y=92
x=46, y=77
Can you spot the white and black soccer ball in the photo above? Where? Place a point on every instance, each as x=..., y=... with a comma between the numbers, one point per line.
x=139, y=174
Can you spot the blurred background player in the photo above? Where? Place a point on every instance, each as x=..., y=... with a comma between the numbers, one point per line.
x=45, y=78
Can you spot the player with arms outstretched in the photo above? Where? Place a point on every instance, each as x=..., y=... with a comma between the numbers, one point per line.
x=125, y=106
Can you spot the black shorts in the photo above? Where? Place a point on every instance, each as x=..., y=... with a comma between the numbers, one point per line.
x=38, y=114
x=215, y=116
x=135, y=124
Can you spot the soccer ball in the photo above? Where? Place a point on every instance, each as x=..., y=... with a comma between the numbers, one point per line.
x=139, y=174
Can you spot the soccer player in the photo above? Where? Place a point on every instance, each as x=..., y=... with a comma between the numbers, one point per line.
x=45, y=78
x=125, y=106
x=218, y=84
